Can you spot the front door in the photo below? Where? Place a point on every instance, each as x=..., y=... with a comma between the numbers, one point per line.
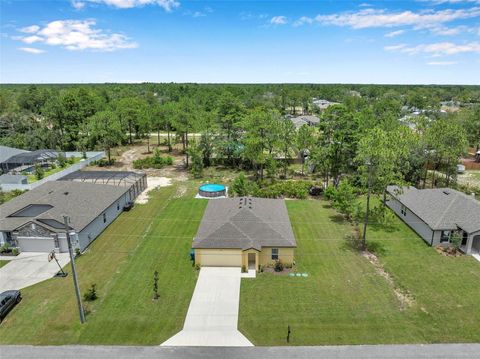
x=476, y=244
x=251, y=261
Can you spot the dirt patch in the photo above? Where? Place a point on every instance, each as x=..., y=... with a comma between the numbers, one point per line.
x=181, y=190
x=405, y=299
x=152, y=183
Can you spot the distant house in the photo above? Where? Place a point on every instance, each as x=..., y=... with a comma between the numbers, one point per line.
x=25, y=161
x=322, y=104
x=244, y=231
x=13, y=179
x=33, y=221
x=435, y=214
x=309, y=120
x=7, y=152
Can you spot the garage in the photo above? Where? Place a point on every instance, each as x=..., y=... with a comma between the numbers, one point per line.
x=219, y=257
x=36, y=244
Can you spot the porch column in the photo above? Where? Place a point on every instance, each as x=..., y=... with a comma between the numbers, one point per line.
x=469, y=244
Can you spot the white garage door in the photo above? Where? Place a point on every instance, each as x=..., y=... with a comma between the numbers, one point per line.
x=221, y=258
x=35, y=244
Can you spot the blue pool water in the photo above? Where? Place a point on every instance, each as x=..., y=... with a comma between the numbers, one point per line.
x=213, y=187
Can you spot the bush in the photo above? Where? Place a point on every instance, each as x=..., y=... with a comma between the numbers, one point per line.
x=71, y=160
x=15, y=251
x=62, y=161
x=39, y=172
x=289, y=189
x=77, y=252
x=4, y=248
x=240, y=185
x=103, y=162
x=278, y=267
x=244, y=269
x=91, y=294
x=155, y=161
x=329, y=192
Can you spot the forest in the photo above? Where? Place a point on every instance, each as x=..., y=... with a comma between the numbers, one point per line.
x=391, y=133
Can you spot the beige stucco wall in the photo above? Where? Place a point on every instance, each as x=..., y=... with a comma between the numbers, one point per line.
x=286, y=256
x=238, y=258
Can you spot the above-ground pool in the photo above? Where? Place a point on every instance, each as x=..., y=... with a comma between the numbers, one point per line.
x=212, y=190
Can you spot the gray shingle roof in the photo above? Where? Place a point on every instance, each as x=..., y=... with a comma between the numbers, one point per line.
x=441, y=208
x=83, y=202
x=243, y=223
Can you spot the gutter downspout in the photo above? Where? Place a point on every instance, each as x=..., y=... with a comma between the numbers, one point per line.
x=431, y=242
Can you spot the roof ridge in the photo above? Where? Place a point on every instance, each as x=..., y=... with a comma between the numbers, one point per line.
x=447, y=209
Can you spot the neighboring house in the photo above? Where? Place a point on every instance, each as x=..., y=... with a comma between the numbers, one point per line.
x=435, y=214
x=7, y=152
x=13, y=179
x=309, y=120
x=33, y=221
x=323, y=104
x=244, y=231
x=25, y=161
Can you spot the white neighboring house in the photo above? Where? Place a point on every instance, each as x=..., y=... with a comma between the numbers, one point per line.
x=435, y=214
x=309, y=120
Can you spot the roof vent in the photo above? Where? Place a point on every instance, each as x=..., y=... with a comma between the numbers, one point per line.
x=65, y=193
x=446, y=192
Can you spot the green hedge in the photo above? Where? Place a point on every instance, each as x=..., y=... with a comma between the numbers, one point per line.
x=282, y=189
x=155, y=161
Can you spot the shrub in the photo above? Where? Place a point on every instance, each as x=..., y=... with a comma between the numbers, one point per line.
x=329, y=192
x=240, y=185
x=78, y=253
x=278, y=267
x=103, y=162
x=289, y=189
x=244, y=269
x=155, y=161
x=91, y=294
x=4, y=248
x=53, y=165
x=39, y=172
x=71, y=160
x=62, y=161
x=15, y=251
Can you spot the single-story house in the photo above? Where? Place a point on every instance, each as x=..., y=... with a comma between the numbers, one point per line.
x=244, y=231
x=435, y=214
x=33, y=221
x=309, y=120
x=25, y=161
x=7, y=152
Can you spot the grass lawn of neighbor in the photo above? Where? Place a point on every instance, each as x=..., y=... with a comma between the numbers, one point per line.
x=3, y=263
x=345, y=300
x=121, y=262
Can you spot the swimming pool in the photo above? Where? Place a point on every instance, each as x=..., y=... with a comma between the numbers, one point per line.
x=212, y=190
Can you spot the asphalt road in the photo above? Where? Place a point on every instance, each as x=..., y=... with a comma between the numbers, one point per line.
x=437, y=351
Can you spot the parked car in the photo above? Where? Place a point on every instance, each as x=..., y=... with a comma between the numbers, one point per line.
x=128, y=206
x=8, y=300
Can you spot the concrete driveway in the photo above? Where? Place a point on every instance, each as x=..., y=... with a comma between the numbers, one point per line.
x=29, y=268
x=213, y=312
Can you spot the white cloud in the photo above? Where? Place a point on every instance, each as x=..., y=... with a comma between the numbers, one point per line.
x=371, y=18
x=78, y=5
x=303, y=20
x=167, y=5
x=437, y=49
x=31, y=50
x=449, y=31
x=30, y=29
x=440, y=2
x=442, y=63
x=394, y=33
x=78, y=35
x=278, y=20
x=364, y=4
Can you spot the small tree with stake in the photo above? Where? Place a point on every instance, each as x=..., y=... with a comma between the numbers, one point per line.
x=155, y=286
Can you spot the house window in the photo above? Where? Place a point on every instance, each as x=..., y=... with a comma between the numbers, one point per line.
x=274, y=253
x=118, y=206
x=464, y=238
x=445, y=236
x=104, y=218
x=403, y=210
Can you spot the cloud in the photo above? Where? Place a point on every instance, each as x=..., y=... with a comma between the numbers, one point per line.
x=440, y=2
x=303, y=20
x=278, y=20
x=364, y=4
x=372, y=18
x=30, y=29
x=394, y=33
x=449, y=31
x=78, y=5
x=442, y=63
x=31, y=50
x=167, y=5
x=78, y=35
x=437, y=49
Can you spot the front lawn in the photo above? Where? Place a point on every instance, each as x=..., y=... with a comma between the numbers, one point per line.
x=154, y=236
x=345, y=301
x=3, y=263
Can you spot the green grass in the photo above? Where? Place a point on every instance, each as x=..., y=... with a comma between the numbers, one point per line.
x=33, y=178
x=154, y=236
x=3, y=263
x=345, y=301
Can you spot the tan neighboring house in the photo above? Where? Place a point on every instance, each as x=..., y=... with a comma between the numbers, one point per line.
x=244, y=231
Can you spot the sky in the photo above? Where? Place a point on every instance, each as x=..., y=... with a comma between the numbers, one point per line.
x=328, y=41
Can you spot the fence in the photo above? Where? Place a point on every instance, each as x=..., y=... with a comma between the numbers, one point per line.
x=91, y=157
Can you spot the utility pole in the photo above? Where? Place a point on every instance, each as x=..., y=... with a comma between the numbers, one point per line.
x=364, y=237
x=74, y=271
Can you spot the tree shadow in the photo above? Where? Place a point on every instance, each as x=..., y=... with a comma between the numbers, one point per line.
x=337, y=218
